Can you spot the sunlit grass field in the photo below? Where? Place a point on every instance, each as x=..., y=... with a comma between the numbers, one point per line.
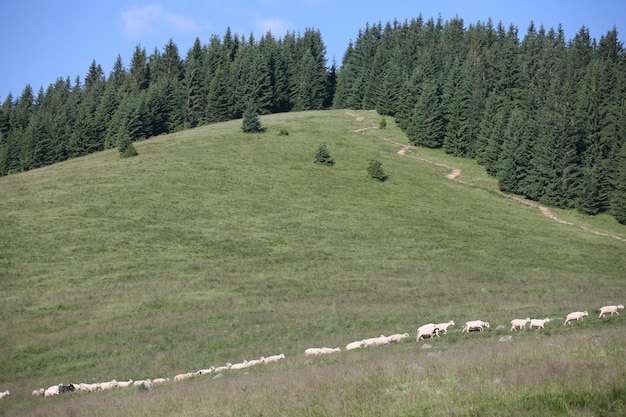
x=216, y=246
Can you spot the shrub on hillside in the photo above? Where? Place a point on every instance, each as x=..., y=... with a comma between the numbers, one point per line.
x=375, y=170
x=125, y=146
x=323, y=156
x=130, y=151
x=251, y=122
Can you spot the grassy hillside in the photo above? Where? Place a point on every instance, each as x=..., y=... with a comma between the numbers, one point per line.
x=215, y=246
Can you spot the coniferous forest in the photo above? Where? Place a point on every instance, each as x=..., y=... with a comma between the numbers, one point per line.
x=545, y=115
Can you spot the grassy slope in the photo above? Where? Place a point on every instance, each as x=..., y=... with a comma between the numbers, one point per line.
x=213, y=246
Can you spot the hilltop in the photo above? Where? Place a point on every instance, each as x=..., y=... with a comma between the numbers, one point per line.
x=214, y=246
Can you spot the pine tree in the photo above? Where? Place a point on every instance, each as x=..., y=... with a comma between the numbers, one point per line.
x=618, y=198
x=139, y=75
x=513, y=161
x=322, y=156
x=427, y=124
x=219, y=97
x=375, y=171
x=251, y=122
x=458, y=137
x=193, y=84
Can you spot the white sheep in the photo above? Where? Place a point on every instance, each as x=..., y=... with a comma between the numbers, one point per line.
x=611, y=309
x=330, y=351
x=255, y=362
x=82, y=387
x=383, y=340
x=38, y=392
x=205, y=371
x=576, y=315
x=241, y=365
x=475, y=324
x=429, y=330
x=125, y=384
x=539, y=322
x=354, y=345
x=52, y=391
x=160, y=380
x=4, y=394
x=375, y=341
x=146, y=383
x=182, y=377
x=519, y=323
x=108, y=385
x=274, y=358
x=223, y=367
x=313, y=351
x=444, y=327
x=397, y=337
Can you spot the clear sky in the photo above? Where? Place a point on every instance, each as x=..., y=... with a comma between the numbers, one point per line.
x=42, y=40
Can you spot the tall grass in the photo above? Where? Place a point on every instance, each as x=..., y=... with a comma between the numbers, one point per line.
x=215, y=246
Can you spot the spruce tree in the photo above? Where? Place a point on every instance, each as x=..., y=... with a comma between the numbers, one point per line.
x=251, y=122
x=618, y=198
x=375, y=170
x=427, y=124
x=193, y=83
x=322, y=156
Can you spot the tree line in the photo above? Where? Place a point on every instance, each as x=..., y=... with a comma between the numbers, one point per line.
x=545, y=116
x=161, y=93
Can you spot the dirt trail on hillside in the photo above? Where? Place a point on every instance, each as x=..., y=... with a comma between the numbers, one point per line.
x=455, y=174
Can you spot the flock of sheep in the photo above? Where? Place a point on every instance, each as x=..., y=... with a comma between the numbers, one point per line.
x=432, y=330
x=427, y=330
x=55, y=390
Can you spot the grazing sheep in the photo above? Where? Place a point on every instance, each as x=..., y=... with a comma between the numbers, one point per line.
x=330, y=351
x=4, y=394
x=181, y=377
x=255, y=362
x=354, y=345
x=375, y=341
x=539, y=322
x=429, y=330
x=519, y=323
x=160, y=380
x=611, y=309
x=241, y=365
x=146, y=383
x=52, y=391
x=312, y=351
x=125, y=384
x=82, y=387
x=274, y=358
x=397, y=337
x=576, y=315
x=38, y=392
x=223, y=368
x=205, y=371
x=108, y=385
x=475, y=324
x=444, y=327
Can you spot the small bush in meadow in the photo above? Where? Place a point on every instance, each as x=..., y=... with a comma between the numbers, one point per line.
x=129, y=152
x=323, y=156
x=375, y=170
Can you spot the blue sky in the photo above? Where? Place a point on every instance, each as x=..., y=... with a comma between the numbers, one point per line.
x=46, y=39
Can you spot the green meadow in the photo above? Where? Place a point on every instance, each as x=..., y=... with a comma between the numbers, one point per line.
x=215, y=246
